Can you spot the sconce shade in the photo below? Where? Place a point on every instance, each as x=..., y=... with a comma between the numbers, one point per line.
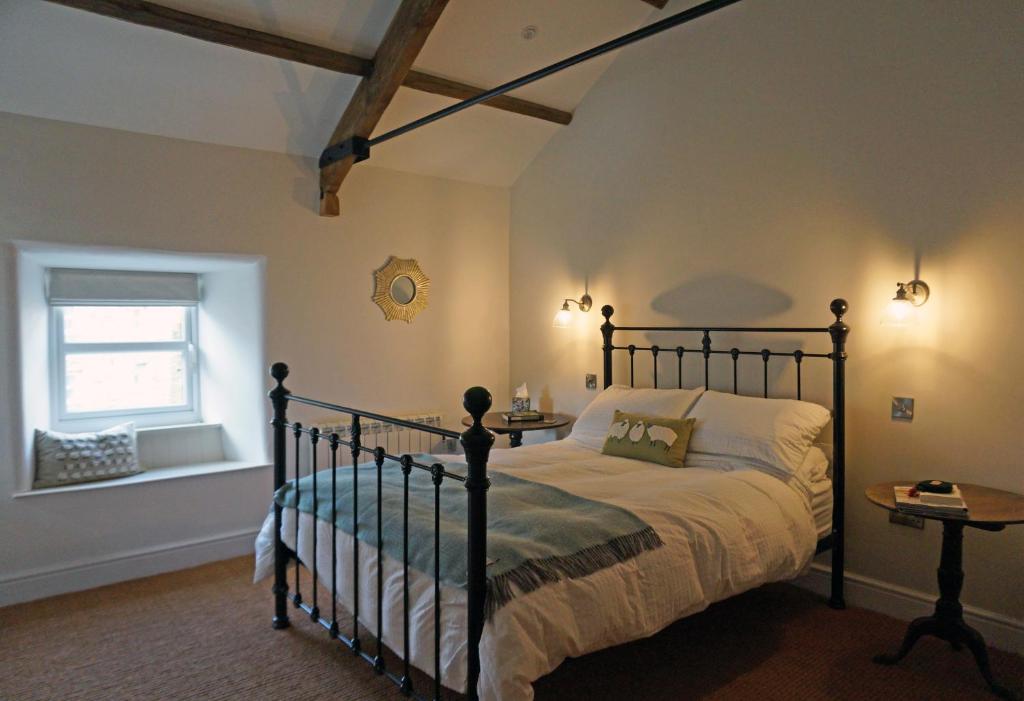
x=902, y=310
x=563, y=319
x=899, y=313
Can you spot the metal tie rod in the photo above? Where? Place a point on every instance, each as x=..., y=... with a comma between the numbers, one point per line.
x=624, y=40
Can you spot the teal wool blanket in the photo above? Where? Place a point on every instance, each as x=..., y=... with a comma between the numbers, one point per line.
x=536, y=534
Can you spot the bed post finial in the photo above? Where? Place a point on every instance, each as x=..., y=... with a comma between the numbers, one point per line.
x=607, y=329
x=477, y=401
x=838, y=331
x=839, y=306
x=477, y=442
x=279, y=371
x=279, y=400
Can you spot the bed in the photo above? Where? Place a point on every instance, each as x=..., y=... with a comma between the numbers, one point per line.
x=727, y=522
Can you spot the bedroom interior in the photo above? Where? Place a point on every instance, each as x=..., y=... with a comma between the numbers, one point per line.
x=341, y=187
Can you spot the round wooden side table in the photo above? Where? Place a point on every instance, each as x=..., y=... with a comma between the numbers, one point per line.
x=494, y=422
x=989, y=510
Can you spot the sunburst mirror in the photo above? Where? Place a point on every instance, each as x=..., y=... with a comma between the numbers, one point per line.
x=401, y=289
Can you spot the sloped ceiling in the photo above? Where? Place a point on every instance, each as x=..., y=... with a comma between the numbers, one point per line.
x=66, y=64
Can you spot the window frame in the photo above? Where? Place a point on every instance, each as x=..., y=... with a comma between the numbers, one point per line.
x=61, y=418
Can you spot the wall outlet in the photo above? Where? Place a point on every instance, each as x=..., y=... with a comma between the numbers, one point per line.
x=911, y=520
x=591, y=381
x=903, y=408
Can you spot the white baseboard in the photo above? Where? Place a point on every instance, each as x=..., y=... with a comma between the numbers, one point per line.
x=1000, y=631
x=76, y=576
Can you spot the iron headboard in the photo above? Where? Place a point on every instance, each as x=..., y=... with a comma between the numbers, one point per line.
x=837, y=331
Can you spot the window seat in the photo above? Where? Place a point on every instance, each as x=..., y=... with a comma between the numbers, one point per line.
x=153, y=475
x=165, y=453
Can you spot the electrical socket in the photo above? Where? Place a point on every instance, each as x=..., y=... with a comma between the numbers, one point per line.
x=911, y=520
x=591, y=381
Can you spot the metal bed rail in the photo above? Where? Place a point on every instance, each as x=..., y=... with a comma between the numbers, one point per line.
x=476, y=442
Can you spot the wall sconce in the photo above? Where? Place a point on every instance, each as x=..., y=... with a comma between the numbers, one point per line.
x=902, y=309
x=563, y=318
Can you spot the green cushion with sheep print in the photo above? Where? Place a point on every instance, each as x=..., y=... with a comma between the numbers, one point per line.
x=650, y=438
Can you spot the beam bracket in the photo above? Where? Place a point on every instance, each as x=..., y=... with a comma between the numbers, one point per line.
x=355, y=146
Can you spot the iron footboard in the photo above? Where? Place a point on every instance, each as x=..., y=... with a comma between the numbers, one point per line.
x=476, y=442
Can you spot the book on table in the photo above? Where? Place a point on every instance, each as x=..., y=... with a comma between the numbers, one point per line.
x=910, y=501
x=522, y=416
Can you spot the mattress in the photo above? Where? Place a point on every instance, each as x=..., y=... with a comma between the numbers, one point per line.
x=724, y=532
x=821, y=505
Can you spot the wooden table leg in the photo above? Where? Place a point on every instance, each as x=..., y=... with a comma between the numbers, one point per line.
x=947, y=623
x=515, y=438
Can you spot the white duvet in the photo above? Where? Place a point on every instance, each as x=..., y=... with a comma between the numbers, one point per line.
x=724, y=532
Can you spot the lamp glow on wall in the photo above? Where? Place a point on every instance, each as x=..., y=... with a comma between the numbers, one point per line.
x=563, y=319
x=902, y=309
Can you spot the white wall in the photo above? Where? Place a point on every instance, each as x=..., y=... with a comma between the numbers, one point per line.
x=67, y=183
x=752, y=166
x=230, y=316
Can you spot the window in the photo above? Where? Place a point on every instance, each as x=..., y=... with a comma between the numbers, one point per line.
x=124, y=346
x=124, y=360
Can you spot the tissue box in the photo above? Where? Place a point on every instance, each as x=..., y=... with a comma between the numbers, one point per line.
x=520, y=404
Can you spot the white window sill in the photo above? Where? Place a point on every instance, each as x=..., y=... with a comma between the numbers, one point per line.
x=154, y=475
x=176, y=428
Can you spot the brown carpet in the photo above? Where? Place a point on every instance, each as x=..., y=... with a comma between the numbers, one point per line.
x=204, y=633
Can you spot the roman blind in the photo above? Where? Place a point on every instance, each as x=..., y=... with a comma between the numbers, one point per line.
x=110, y=287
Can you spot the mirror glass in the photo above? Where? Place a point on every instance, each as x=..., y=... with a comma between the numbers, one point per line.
x=403, y=289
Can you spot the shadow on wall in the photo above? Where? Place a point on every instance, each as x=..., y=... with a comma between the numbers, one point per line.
x=298, y=104
x=721, y=299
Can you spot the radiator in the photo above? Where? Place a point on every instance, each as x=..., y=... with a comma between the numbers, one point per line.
x=393, y=438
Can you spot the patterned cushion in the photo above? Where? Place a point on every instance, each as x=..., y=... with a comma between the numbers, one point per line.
x=651, y=438
x=71, y=458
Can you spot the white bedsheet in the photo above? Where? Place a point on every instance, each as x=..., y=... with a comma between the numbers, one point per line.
x=724, y=532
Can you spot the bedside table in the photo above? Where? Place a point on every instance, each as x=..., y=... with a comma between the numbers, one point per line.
x=990, y=510
x=494, y=422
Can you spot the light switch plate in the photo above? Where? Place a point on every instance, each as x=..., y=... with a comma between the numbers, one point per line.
x=903, y=408
x=591, y=381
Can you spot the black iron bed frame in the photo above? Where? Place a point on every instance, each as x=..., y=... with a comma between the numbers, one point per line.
x=477, y=442
x=837, y=331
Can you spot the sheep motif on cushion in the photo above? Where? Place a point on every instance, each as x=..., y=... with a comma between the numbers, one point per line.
x=619, y=430
x=662, y=434
x=637, y=432
x=651, y=438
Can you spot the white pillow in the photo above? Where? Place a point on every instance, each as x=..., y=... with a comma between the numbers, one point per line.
x=778, y=432
x=591, y=428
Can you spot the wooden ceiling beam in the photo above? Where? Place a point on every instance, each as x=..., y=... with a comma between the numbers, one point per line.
x=402, y=42
x=148, y=14
x=460, y=91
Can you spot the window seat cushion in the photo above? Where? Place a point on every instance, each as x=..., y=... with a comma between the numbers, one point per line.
x=72, y=458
